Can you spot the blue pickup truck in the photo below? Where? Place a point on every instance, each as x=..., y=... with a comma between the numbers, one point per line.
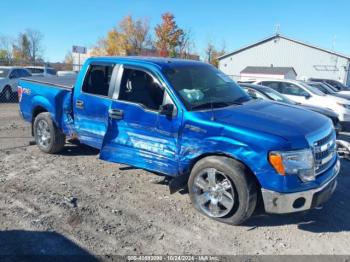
x=189, y=121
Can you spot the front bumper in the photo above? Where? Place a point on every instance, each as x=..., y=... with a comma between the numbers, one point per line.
x=280, y=203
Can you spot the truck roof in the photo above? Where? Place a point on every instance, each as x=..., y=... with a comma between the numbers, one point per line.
x=158, y=61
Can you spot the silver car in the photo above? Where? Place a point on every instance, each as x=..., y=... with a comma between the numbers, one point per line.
x=9, y=77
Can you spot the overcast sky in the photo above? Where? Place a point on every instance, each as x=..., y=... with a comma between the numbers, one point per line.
x=236, y=23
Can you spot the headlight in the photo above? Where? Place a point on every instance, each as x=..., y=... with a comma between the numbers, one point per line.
x=298, y=162
x=343, y=105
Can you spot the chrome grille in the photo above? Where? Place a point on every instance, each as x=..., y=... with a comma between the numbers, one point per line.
x=324, y=153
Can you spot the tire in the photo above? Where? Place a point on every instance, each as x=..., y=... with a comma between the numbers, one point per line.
x=47, y=136
x=231, y=178
x=7, y=93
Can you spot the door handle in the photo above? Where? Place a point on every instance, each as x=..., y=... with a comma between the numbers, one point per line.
x=79, y=104
x=115, y=113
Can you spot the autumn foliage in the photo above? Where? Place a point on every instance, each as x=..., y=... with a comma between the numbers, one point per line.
x=129, y=38
x=168, y=35
x=133, y=37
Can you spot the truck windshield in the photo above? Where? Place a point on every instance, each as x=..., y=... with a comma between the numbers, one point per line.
x=4, y=72
x=202, y=86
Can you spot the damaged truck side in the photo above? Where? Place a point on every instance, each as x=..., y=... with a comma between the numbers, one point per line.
x=187, y=120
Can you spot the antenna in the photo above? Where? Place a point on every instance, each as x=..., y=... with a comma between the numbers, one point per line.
x=333, y=42
x=334, y=57
x=277, y=28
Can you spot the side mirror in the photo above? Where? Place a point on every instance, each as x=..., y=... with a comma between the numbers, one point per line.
x=167, y=109
x=12, y=76
x=307, y=96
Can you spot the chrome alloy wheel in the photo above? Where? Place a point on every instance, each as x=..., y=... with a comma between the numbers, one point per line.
x=213, y=193
x=43, y=133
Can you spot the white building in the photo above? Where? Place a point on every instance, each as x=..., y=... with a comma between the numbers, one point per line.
x=79, y=59
x=280, y=51
x=258, y=72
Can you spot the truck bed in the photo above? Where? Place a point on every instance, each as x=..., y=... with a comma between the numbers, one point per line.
x=48, y=94
x=66, y=82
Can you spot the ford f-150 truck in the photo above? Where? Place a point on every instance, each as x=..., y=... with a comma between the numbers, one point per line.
x=187, y=120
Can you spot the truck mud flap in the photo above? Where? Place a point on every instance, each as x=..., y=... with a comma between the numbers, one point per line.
x=178, y=183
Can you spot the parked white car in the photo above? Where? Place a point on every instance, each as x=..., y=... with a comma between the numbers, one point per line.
x=42, y=70
x=308, y=95
x=66, y=73
x=9, y=77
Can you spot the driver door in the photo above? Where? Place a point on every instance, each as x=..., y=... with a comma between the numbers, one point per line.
x=138, y=134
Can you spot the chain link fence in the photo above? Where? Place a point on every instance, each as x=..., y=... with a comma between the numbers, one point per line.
x=11, y=71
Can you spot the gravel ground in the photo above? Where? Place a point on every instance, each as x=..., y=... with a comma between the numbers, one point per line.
x=74, y=203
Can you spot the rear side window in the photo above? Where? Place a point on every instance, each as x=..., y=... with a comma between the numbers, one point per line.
x=51, y=71
x=14, y=74
x=274, y=85
x=36, y=70
x=291, y=89
x=97, y=79
x=139, y=87
x=24, y=73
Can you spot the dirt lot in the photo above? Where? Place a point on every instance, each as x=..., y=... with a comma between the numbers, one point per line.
x=74, y=203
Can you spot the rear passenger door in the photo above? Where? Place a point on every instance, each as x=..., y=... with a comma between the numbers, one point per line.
x=138, y=135
x=92, y=102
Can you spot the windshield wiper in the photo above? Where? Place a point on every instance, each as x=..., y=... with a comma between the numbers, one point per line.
x=214, y=105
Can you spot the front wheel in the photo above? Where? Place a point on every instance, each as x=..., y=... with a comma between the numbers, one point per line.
x=47, y=136
x=223, y=189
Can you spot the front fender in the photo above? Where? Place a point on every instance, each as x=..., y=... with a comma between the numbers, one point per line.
x=249, y=148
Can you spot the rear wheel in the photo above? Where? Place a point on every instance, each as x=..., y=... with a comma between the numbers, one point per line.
x=7, y=94
x=47, y=136
x=223, y=189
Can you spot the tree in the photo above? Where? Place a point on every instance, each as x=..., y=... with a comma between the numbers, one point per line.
x=21, y=50
x=185, y=44
x=169, y=36
x=136, y=33
x=68, y=61
x=28, y=48
x=35, y=39
x=212, y=54
x=5, y=50
x=129, y=38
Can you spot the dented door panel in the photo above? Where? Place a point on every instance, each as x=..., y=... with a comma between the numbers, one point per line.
x=142, y=138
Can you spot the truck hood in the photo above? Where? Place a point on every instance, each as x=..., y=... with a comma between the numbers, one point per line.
x=292, y=123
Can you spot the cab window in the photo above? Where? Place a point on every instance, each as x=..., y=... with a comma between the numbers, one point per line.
x=97, y=80
x=141, y=88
